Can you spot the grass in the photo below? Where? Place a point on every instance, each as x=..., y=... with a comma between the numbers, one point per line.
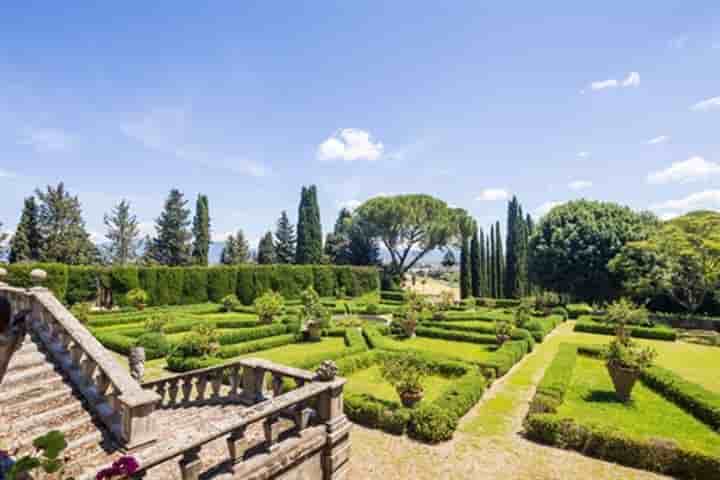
x=465, y=351
x=370, y=381
x=293, y=354
x=591, y=399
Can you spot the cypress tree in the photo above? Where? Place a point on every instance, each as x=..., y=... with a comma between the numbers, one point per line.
x=499, y=267
x=25, y=244
x=522, y=255
x=465, y=269
x=483, y=266
x=172, y=246
x=309, y=230
x=122, y=232
x=337, y=243
x=201, y=231
x=284, y=240
x=475, y=268
x=266, y=249
x=236, y=249
x=529, y=227
x=513, y=285
x=493, y=265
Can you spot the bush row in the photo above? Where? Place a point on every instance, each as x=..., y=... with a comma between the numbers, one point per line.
x=656, y=333
x=551, y=389
x=393, y=296
x=503, y=359
x=699, y=402
x=690, y=322
x=608, y=444
x=191, y=285
x=455, y=335
x=481, y=327
x=576, y=310
x=541, y=327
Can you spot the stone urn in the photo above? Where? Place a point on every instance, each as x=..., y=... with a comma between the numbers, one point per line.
x=623, y=379
x=410, y=398
x=313, y=331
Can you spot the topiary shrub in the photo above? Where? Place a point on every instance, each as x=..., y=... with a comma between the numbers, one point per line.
x=155, y=344
x=229, y=303
x=268, y=306
x=432, y=424
x=137, y=297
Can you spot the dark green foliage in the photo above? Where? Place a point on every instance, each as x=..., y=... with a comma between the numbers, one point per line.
x=82, y=284
x=290, y=280
x=195, y=283
x=201, y=231
x=484, y=328
x=371, y=412
x=690, y=322
x=264, y=279
x=432, y=424
x=156, y=345
x=57, y=279
x=26, y=243
x=309, y=230
x=241, y=335
x=455, y=335
x=266, y=250
x=162, y=293
x=345, y=280
x=324, y=278
x=236, y=250
x=506, y=356
x=148, y=279
x=572, y=245
x=551, y=389
x=499, y=263
x=465, y=269
x=175, y=283
x=122, y=232
x=62, y=228
x=397, y=295
x=515, y=281
x=576, y=310
x=285, y=240
x=613, y=446
x=122, y=280
x=657, y=333
x=475, y=265
x=115, y=342
x=172, y=245
x=245, y=289
x=699, y=402
x=229, y=351
x=221, y=282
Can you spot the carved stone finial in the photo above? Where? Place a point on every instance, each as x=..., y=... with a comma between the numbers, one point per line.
x=327, y=371
x=3, y=274
x=137, y=363
x=38, y=276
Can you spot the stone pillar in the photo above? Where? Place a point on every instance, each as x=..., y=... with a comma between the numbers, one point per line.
x=191, y=465
x=337, y=449
x=137, y=363
x=3, y=275
x=252, y=384
x=237, y=444
x=138, y=425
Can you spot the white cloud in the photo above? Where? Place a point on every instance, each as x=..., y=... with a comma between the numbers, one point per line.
x=690, y=170
x=45, y=140
x=580, y=184
x=350, y=144
x=705, y=200
x=6, y=174
x=493, y=194
x=632, y=80
x=583, y=154
x=657, y=140
x=546, y=207
x=166, y=130
x=707, y=105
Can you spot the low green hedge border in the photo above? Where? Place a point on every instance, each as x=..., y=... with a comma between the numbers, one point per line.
x=656, y=333
x=556, y=380
x=608, y=444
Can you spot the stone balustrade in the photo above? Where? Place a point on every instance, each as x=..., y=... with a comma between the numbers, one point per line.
x=116, y=398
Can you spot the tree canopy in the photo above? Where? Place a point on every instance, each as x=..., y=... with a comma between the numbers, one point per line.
x=123, y=233
x=201, y=231
x=409, y=226
x=572, y=245
x=680, y=259
x=26, y=243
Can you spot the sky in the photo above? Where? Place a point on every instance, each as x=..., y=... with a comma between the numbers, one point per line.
x=469, y=101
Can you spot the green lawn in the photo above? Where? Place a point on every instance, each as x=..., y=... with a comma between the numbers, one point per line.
x=696, y=363
x=591, y=399
x=370, y=381
x=297, y=352
x=465, y=351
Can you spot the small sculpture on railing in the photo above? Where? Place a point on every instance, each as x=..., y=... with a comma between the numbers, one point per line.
x=3, y=274
x=137, y=363
x=38, y=277
x=327, y=371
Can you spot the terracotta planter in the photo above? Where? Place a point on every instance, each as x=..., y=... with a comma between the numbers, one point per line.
x=410, y=399
x=314, y=333
x=140, y=306
x=502, y=339
x=624, y=380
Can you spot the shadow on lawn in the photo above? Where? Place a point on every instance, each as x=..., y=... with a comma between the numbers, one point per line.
x=604, y=396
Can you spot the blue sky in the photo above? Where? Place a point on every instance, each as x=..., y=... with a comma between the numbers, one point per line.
x=247, y=101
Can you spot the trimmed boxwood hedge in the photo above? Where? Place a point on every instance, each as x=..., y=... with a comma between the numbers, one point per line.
x=689, y=322
x=82, y=284
x=455, y=335
x=503, y=359
x=608, y=444
x=551, y=389
x=57, y=276
x=393, y=295
x=655, y=333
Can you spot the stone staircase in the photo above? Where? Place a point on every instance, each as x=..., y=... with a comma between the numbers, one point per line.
x=35, y=397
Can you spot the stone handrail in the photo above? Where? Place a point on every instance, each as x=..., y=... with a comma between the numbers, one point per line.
x=327, y=396
x=123, y=405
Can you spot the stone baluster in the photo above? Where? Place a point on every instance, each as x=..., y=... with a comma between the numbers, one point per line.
x=160, y=388
x=271, y=426
x=252, y=384
x=277, y=384
x=190, y=465
x=216, y=382
x=87, y=368
x=201, y=386
x=76, y=354
x=102, y=383
x=234, y=380
x=237, y=444
x=65, y=341
x=187, y=389
x=173, y=392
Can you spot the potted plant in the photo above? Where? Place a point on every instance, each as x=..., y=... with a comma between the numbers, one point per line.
x=626, y=360
x=503, y=330
x=229, y=303
x=406, y=373
x=138, y=298
x=313, y=315
x=269, y=305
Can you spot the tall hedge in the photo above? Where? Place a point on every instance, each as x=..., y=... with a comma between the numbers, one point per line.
x=184, y=285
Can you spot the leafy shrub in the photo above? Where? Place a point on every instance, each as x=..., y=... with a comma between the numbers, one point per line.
x=656, y=333
x=576, y=310
x=406, y=373
x=455, y=335
x=246, y=334
x=201, y=341
x=560, y=311
x=432, y=424
x=372, y=308
x=82, y=312
x=157, y=323
x=395, y=295
x=155, y=344
x=115, y=342
x=268, y=306
x=229, y=303
x=484, y=328
x=137, y=297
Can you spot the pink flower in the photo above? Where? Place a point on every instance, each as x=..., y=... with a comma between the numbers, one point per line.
x=126, y=465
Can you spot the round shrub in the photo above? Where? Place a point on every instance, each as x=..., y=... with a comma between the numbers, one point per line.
x=560, y=311
x=229, y=303
x=81, y=311
x=372, y=309
x=432, y=424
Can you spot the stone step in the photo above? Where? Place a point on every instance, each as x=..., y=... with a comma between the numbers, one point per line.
x=55, y=419
x=36, y=405
x=20, y=362
x=29, y=346
x=29, y=377
x=11, y=397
